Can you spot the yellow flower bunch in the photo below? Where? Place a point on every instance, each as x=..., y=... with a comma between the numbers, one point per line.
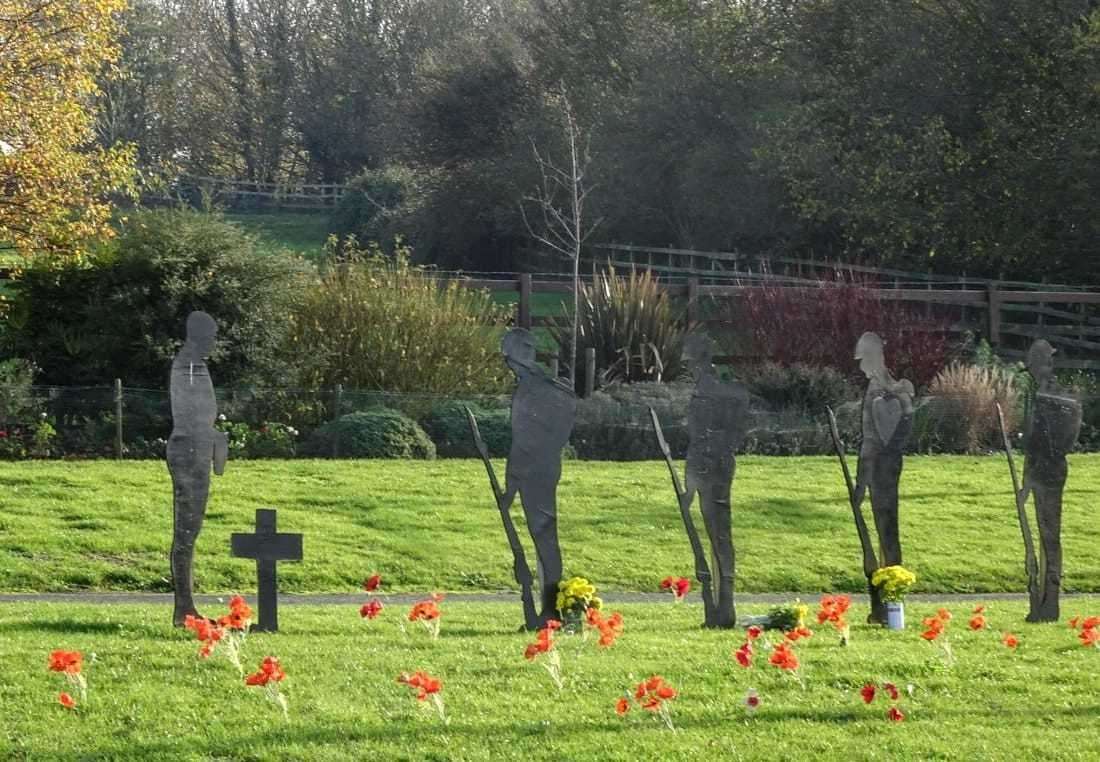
x=894, y=581
x=577, y=593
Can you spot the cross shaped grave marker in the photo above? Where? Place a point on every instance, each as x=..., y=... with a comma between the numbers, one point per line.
x=267, y=546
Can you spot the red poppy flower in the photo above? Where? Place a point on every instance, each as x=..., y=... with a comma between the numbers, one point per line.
x=1091, y=623
x=1090, y=637
x=1010, y=640
x=892, y=690
x=752, y=700
x=423, y=683
x=934, y=627
x=1073, y=622
x=895, y=715
x=67, y=701
x=622, y=706
x=370, y=609
x=943, y=615
x=868, y=693
x=977, y=622
x=744, y=655
x=270, y=671
x=784, y=658
x=754, y=632
x=372, y=583
x=69, y=662
x=425, y=610
x=979, y=610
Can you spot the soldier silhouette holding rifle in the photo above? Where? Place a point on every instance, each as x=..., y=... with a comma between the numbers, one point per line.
x=543, y=410
x=1052, y=428
x=887, y=420
x=194, y=447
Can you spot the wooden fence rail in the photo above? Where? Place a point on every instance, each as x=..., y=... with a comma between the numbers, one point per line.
x=1008, y=338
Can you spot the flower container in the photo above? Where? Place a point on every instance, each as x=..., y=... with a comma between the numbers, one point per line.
x=895, y=615
x=573, y=621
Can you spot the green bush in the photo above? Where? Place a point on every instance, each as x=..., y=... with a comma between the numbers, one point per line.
x=799, y=387
x=449, y=428
x=378, y=433
x=614, y=423
x=631, y=323
x=121, y=312
x=378, y=323
x=376, y=205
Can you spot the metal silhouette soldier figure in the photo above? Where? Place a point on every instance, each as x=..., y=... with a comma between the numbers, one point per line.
x=543, y=410
x=887, y=420
x=1052, y=427
x=193, y=448
x=716, y=426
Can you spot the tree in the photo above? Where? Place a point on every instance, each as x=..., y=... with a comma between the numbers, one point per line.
x=53, y=182
x=560, y=199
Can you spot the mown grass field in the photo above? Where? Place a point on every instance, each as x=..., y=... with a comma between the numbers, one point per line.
x=151, y=698
x=433, y=525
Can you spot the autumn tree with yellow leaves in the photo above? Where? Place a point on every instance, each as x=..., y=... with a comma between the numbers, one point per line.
x=54, y=182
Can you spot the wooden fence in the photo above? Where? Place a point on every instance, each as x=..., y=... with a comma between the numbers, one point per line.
x=1008, y=318
x=244, y=194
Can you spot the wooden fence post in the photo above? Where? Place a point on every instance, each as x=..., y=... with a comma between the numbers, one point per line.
x=337, y=404
x=523, y=317
x=693, y=299
x=589, y=371
x=553, y=367
x=118, y=418
x=993, y=304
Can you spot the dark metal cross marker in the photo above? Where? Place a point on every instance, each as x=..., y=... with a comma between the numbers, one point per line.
x=266, y=546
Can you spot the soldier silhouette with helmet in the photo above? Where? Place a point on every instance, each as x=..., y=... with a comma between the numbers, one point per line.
x=887, y=419
x=1052, y=426
x=194, y=447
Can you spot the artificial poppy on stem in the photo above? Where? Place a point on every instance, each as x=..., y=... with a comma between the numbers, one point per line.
x=678, y=586
x=752, y=701
x=427, y=688
x=834, y=609
x=269, y=676
x=66, y=700
x=70, y=664
x=544, y=644
x=1010, y=641
x=977, y=620
x=370, y=609
x=935, y=630
x=610, y=628
x=653, y=695
x=372, y=583
x=428, y=613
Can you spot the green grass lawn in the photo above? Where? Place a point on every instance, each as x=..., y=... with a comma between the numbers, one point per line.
x=151, y=698
x=433, y=525
x=303, y=233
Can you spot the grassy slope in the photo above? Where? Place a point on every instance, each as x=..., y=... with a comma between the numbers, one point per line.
x=152, y=699
x=303, y=233
x=433, y=525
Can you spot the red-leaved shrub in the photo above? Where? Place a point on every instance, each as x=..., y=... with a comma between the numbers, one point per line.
x=820, y=325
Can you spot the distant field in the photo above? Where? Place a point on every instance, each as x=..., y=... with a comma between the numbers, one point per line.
x=303, y=233
x=433, y=525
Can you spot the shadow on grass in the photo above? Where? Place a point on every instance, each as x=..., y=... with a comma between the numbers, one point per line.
x=69, y=626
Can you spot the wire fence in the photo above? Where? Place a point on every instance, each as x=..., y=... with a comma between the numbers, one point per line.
x=611, y=424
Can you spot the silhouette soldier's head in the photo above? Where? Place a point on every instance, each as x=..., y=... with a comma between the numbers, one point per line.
x=698, y=353
x=201, y=333
x=869, y=352
x=1040, y=361
x=518, y=347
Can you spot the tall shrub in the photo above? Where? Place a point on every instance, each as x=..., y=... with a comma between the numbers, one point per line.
x=636, y=330
x=963, y=405
x=121, y=313
x=820, y=325
x=375, y=322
